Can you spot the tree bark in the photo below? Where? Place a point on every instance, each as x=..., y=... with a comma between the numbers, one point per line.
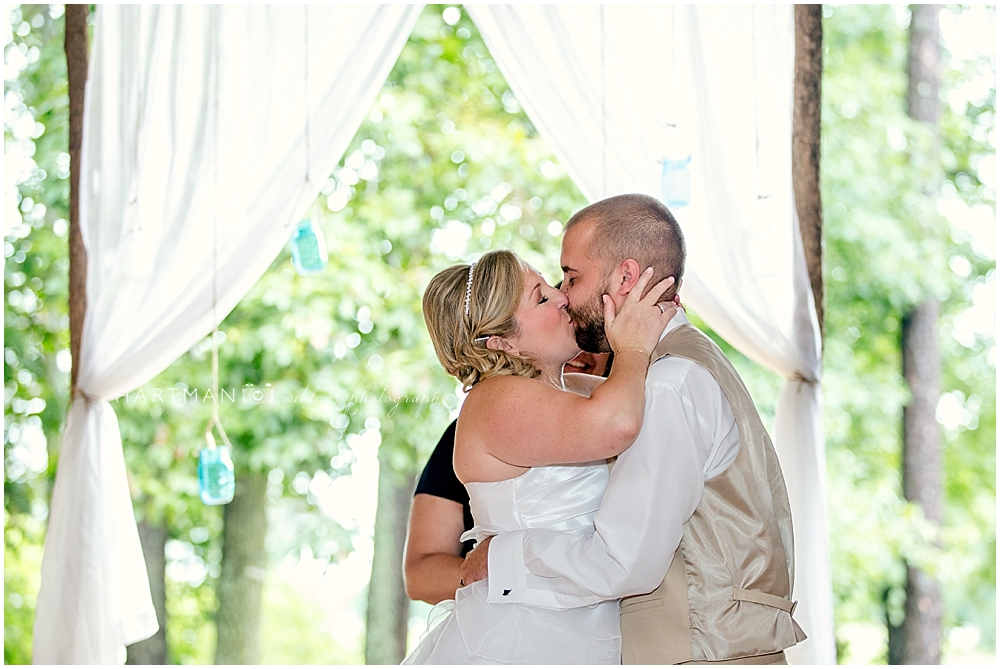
x=241, y=581
x=923, y=67
x=923, y=628
x=388, y=605
x=805, y=143
x=896, y=642
x=154, y=543
x=922, y=631
x=75, y=45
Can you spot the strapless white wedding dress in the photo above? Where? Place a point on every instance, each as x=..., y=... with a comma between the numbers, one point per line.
x=468, y=630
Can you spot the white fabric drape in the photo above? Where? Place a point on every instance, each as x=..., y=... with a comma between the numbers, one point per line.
x=601, y=83
x=195, y=128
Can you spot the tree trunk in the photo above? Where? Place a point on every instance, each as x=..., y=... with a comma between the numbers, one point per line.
x=923, y=67
x=896, y=645
x=241, y=582
x=805, y=143
x=922, y=632
x=388, y=605
x=154, y=543
x=75, y=45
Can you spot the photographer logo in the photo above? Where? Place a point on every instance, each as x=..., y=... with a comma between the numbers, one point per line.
x=258, y=394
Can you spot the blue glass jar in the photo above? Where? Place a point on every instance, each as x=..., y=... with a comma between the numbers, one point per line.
x=216, y=476
x=675, y=182
x=308, y=248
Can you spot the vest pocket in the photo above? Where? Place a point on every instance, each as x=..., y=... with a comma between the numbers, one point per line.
x=653, y=632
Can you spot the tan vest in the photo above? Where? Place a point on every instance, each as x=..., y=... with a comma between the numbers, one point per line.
x=727, y=594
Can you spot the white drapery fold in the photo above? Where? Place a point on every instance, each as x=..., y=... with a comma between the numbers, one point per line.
x=195, y=129
x=606, y=85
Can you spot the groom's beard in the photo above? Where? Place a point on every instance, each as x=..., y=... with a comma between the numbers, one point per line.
x=589, y=323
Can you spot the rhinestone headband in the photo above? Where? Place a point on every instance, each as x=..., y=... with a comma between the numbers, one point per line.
x=468, y=288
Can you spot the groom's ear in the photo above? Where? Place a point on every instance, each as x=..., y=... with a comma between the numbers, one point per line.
x=627, y=274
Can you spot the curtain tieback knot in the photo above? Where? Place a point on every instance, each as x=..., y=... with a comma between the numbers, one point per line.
x=80, y=395
x=798, y=376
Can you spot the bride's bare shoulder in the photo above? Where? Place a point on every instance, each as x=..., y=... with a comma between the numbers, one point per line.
x=497, y=391
x=503, y=383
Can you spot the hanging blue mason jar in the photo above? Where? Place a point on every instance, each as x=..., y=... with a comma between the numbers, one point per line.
x=675, y=182
x=216, y=476
x=308, y=248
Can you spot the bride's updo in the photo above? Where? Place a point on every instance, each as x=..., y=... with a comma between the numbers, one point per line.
x=493, y=295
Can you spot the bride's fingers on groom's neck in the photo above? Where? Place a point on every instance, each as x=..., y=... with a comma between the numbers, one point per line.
x=654, y=294
x=609, y=310
x=636, y=293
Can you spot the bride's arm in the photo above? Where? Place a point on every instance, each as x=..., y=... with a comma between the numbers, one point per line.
x=527, y=423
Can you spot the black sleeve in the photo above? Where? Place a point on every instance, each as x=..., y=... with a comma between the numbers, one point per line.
x=438, y=478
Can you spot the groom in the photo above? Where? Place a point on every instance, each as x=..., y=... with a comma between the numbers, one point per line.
x=695, y=513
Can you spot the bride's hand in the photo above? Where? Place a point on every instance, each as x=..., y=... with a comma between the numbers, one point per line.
x=641, y=321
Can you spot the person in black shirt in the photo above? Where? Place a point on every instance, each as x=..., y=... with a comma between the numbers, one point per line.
x=438, y=517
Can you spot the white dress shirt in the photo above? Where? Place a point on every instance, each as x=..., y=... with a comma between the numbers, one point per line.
x=688, y=436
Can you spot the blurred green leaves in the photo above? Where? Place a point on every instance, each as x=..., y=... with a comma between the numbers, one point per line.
x=888, y=247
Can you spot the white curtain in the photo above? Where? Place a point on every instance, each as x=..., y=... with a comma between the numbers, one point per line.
x=195, y=129
x=614, y=88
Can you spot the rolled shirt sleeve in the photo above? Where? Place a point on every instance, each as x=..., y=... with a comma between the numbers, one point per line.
x=653, y=489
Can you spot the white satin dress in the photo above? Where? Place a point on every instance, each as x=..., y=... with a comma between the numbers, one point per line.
x=468, y=630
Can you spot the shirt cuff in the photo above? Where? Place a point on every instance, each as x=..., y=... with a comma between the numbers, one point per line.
x=507, y=573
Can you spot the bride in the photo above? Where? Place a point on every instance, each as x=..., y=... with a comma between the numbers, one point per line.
x=530, y=450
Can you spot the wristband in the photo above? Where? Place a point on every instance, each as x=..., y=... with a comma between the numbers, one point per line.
x=634, y=350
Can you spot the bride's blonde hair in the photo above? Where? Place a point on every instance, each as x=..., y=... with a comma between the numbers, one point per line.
x=494, y=294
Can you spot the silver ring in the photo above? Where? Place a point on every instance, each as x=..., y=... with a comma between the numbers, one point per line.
x=662, y=310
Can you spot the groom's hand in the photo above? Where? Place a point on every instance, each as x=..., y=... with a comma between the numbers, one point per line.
x=476, y=565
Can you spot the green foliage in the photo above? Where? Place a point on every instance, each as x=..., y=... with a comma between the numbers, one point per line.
x=889, y=247
x=22, y=556
x=286, y=609
x=36, y=336
x=36, y=322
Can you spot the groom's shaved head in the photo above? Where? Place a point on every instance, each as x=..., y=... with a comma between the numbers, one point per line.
x=638, y=227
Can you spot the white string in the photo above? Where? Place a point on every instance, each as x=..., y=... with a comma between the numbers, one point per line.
x=756, y=107
x=673, y=59
x=216, y=422
x=308, y=138
x=137, y=227
x=604, y=105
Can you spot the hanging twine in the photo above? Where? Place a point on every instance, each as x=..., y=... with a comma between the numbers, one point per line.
x=604, y=105
x=308, y=138
x=216, y=422
x=756, y=104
